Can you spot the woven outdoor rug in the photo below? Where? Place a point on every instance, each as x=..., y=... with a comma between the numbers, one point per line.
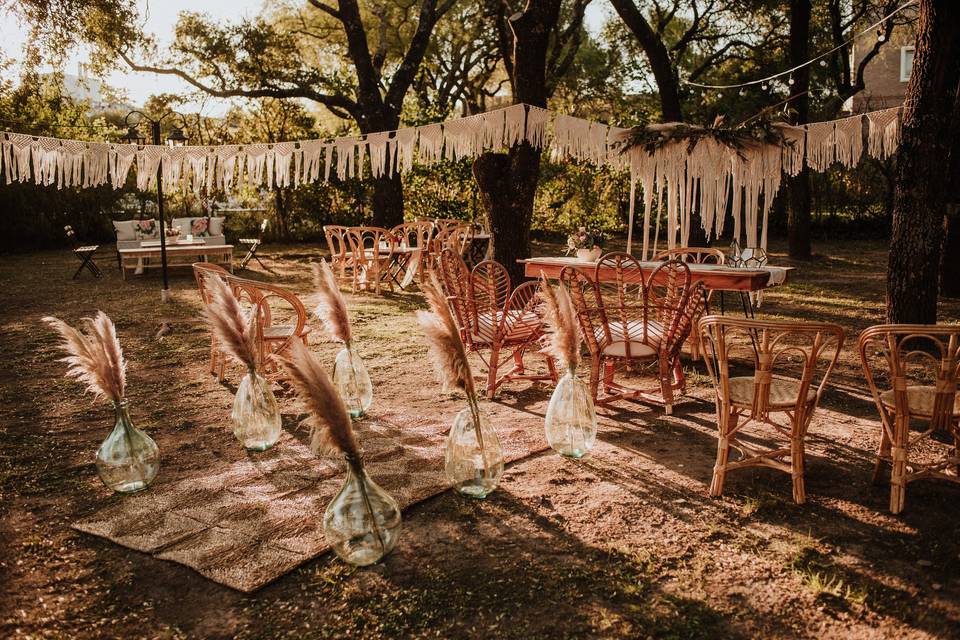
x=246, y=525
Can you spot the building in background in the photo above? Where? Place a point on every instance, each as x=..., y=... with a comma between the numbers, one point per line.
x=885, y=76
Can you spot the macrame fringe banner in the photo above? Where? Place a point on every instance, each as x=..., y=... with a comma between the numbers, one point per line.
x=675, y=180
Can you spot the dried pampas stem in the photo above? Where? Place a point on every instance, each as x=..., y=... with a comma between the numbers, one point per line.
x=233, y=328
x=332, y=310
x=446, y=348
x=335, y=429
x=95, y=357
x=562, y=320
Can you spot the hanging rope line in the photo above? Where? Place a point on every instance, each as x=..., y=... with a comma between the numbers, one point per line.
x=823, y=55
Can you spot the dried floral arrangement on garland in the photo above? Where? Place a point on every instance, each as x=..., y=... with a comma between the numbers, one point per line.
x=653, y=137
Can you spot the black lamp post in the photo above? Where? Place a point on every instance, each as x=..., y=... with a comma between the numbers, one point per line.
x=176, y=137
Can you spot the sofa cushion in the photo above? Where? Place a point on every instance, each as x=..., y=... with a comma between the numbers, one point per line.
x=147, y=229
x=125, y=229
x=216, y=226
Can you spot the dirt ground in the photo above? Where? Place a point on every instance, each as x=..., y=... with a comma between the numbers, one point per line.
x=623, y=544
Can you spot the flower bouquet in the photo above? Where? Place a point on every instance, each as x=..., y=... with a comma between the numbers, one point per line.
x=587, y=243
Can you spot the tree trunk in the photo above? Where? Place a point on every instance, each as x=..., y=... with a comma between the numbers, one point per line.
x=923, y=166
x=798, y=219
x=280, y=205
x=508, y=182
x=508, y=185
x=950, y=267
x=387, y=201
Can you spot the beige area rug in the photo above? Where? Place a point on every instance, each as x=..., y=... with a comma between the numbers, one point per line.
x=249, y=523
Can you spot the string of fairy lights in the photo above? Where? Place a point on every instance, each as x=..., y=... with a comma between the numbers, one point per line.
x=766, y=82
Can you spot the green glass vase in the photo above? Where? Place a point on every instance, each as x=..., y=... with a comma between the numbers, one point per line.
x=129, y=459
x=362, y=522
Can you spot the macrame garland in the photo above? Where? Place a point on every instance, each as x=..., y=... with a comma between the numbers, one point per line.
x=346, y=152
x=493, y=130
x=282, y=159
x=820, y=145
x=377, y=142
x=793, y=150
x=536, y=129
x=406, y=140
x=312, y=150
x=430, y=149
x=227, y=160
x=514, y=120
x=883, y=132
x=148, y=159
x=849, y=140
x=121, y=158
x=328, y=162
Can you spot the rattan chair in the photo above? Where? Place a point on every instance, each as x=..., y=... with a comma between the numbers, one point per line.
x=792, y=362
x=281, y=318
x=631, y=322
x=371, y=254
x=921, y=366
x=457, y=237
x=413, y=258
x=694, y=255
x=496, y=323
x=339, y=248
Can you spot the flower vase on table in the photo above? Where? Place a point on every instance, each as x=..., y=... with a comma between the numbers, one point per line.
x=352, y=381
x=571, y=422
x=587, y=243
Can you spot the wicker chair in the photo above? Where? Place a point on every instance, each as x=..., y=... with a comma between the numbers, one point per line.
x=694, y=255
x=371, y=254
x=921, y=363
x=339, y=248
x=456, y=237
x=635, y=322
x=494, y=322
x=281, y=317
x=792, y=362
x=414, y=237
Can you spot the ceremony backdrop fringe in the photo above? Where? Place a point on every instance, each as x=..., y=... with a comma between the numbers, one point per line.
x=683, y=174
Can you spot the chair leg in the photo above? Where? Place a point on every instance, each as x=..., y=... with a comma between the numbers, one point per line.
x=492, y=373
x=797, y=465
x=666, y=387
x=518, y=361
x=607, y=376
x=883, y=451
x=898, y=473
x=728, y=422
x=552, y=369
x=594, y=376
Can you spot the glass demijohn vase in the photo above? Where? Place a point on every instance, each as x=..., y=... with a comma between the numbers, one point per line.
x=352, y=381
x=474, y=457
x=256, y=417
x=129, y=459
x=362, y=523
x=571, y=422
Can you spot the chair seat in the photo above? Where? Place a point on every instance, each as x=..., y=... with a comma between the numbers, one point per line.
x=920, y=401
x=783, y=392
x=638, y=350
x=282, y=331
x=248, y=241
x=91, y=247
x=634, y=329
x=522, y=329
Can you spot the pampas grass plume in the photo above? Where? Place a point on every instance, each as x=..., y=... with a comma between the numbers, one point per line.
x=332, y=310
x=235, y=331
x=333, y=429
x=443, y=339
x=562, y=321
x=95, y=357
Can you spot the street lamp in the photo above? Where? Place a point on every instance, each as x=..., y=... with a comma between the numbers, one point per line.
x=175, y=138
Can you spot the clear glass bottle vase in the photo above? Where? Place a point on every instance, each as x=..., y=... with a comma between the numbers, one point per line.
x=129, y=459
x=474, y=457
x=571, y=422
x=352, y=381
x=256, y=416
x=362, y=522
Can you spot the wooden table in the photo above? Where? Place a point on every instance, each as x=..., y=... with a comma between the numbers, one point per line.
x=142, y=257
x=714, y=276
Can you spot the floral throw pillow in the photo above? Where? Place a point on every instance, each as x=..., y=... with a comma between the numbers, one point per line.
x=200, y=227
x=147, y=229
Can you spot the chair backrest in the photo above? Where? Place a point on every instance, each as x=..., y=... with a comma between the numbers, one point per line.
x=803, y=351
x=924, y=357
x=693, y=255
x=585, y=295
x=413, y=234
x=454, y=276
x=200, y=272
x=456, y=237
x=370, y=246
x=667, y=289
x=488, y=296
x=337, y=242
x=622, y=300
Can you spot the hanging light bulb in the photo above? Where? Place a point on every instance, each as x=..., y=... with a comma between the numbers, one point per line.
x=743, y=91
x=823, y=62
x=881, y=36
x=790, y=81
x=764, y=86
x=719, y=94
